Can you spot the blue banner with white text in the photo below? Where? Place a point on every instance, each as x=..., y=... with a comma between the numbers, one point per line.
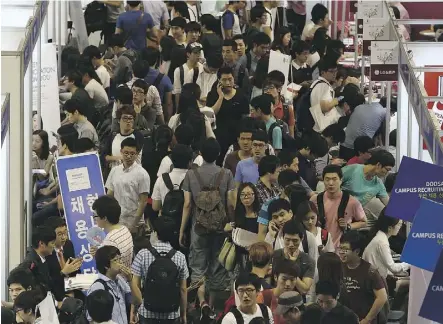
x=431, y=307
x=81, y=183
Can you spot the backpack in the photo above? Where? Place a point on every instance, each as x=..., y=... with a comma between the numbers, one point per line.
x=305, y=121
x=95, y=16
x=158, y=80
x=161, y=289
x=182, y=75
x=210, y=210
x=172, y=206
x=288, y=142
x=341, y=208
x=239, y=318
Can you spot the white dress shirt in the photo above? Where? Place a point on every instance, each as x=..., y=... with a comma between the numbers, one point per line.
x=378, y=253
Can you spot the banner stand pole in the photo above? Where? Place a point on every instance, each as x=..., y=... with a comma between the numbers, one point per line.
x=388, y=113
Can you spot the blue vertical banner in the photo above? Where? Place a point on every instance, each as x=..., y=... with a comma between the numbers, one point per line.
x=81, y=183
x=431, y=307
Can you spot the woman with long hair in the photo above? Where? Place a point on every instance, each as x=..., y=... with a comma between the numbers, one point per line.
x=378, y=251
x=283, y=42
x=307, y=216
x=41, y=156
x=318, y=46
x=167, y=44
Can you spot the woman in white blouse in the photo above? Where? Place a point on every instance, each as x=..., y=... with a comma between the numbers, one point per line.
x=378, y=251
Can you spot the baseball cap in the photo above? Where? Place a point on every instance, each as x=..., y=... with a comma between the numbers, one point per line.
x=194, y=47
x=287, y=301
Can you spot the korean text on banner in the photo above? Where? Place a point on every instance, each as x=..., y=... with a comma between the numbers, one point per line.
x=426, y=235
x=416, y=179
x=431, y=307
x=81, y=183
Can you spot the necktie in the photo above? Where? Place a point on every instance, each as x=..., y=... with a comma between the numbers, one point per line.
x=61, y=259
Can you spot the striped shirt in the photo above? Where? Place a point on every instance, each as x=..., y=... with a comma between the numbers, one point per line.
x=121, y=238
x=140, y=268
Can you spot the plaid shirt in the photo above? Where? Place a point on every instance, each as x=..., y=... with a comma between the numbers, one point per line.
x=140, y=267
x=264, y=193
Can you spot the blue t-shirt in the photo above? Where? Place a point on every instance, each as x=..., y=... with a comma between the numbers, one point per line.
x=228, y=20
x=164, y=86
x=276, y=134
x=247, y=171
x=357, y=185
x=134, y=31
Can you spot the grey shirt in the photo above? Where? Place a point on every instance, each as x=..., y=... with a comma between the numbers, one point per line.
x=364, y=121
x=209, y=173
x=113, y=12
x=86, y=130
x=254, y=60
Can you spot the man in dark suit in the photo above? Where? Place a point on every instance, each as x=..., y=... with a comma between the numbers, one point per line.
x=43, y=242
x=61, y=262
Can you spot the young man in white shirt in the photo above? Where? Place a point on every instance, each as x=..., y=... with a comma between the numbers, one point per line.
x=230, y=22
x=181, y=158
x=193, y=52
x=107, y=216
x=247, y=287
x=93, y=53
x=129, y=183
x=320, y=18
x=271, y=13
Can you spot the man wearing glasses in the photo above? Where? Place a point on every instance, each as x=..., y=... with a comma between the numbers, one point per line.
x=129, y=183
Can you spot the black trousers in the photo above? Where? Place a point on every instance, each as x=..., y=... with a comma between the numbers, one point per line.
x=108, y=31
x=297, y=21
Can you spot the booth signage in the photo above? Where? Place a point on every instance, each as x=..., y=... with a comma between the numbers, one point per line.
x=81, y=183
x=426, y=235
x=368, y=9
x=353, y=7
x=431, y=307
x=416, y=179
x=374, y=29
x=384, y=60
x=360, y=26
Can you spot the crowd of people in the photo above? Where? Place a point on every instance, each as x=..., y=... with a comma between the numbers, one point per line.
x=199, y=141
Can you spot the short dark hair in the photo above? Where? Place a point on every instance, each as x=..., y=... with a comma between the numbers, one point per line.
x=28, y=300
x=354, y=239
x=268, y=164
x=184, y=134
x=83, y=145
x=332, y=168
x=210, y=150
x=363, y=144
x=178, y=22
x=327, y=288
x=140, y=83
x=393, y=138
x=293, y=228
x=193, y=26
x=107, y=207
x=117, y=40
x=209, y=22
x=181, y=156
x=140, y=69
x=247, y=278
x=264, y=103
x=68, y=135
x=55, y=222
x=92, y=52
x=150, y=55
x=260, y=136
x=299, y=47
x=238, y=37
x=325, y=65
x=103, y=257
x=390, y=181
x=72, y=105
x=214, y=61
x=352, y=96
x=75, y=77
x=287, y=156
x=133, y=4
x=336, y=132
x=129, y=142
x=384, y=103
x=225, y=70
x=383, y=157
x=287, y=267
x=256, y=13
x=318, y=13
x=317, y=144
x=124, y=95
x=287, y=177
x=125, y=110
x=261, y=38
x=100, y=305
x=278, y=204
x=165, y=228
x=230, y=43
x=276, y=77
x=42, y=234
x=22, y=276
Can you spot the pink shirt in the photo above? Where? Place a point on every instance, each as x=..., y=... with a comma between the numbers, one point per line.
x=353, y=213
x=299, y=7
x=354, y=160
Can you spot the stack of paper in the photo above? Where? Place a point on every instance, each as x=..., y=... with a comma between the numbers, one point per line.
x=80, y=281
x=244, y=238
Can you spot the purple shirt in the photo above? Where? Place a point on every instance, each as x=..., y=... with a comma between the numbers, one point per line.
x=163, y=87
x=247, y=171
x=134, y=31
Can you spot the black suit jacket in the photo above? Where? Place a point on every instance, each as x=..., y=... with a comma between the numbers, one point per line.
x=57, y=278
x=39, y=269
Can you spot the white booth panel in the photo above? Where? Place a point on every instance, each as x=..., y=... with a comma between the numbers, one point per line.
x=20, y=3
x=12, y=38
x=15, y=17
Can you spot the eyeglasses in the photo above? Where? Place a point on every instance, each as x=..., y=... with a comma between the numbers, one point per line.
x=246, y=291
x=129, y=154
x=138, y=91
x=260, y=146
x=247, y=195
x=128, y=119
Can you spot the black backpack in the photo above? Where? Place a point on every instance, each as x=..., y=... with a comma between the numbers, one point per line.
x=95, y=16
x=239, y=318
x=182, y=75
x=161, y=289
x=172, y=206
x=305, y=121
x=341, y=208
x=288, y=142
